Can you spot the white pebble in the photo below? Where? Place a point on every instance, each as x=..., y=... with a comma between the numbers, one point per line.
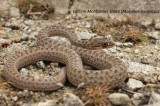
x=119, y=99
x=134, y=84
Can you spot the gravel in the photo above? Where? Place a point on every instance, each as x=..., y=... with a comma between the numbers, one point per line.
x=142, y=59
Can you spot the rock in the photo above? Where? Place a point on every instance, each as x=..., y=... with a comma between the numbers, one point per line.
x=3, y=95
x=121, y=55
x=28, y=104
x=113, y=49
x=5, y=42
x=14, y=12
x=19, y=103
x=134, y=84
x=35, y=75
x=128, y=50
x=24, y=72
x=40, y=64
x=144, y=59
x=118, y=49
x=153, y=34
x=119, y=99
x=15, y=21
x=7, y=24
x=29, y=22
x=72, y=100
x=150, y=100
x=118, y=44
x=156, y=47
x=25, y=38
x=147, y=22
x=54, y=65
x=46, y=103
x=32, y=35
x=87, y=25
x=21, y=94
x=140, y=99
x=17, y=40
x=84, y=35
x=150, y=88
x=155, y=104
x=143, y=72
x=155, y=97
x=25, y=28
x=28, y=31
x=15, y=98
x=157, y=25
x=136, y=51
x=129, y=44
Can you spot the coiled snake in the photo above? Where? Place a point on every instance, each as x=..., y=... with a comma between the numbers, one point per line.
x=112, y=70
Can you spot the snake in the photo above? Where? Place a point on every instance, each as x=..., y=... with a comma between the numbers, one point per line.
x=110, y=69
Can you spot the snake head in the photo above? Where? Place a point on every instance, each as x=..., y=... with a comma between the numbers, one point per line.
x=101, y=42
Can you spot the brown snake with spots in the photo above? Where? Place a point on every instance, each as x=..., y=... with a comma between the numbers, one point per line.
x=111, y=70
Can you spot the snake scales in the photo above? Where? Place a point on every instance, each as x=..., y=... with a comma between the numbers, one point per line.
x=112, y=70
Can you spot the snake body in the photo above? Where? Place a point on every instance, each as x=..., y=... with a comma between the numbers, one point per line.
x=111, y=70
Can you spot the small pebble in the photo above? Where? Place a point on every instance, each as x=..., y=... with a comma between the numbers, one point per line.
x=31, y=37
x=153, y=35
x=128, y=50
x=118, y=44
x=17, y=40
x=144, y=59
x=155, y=98
x=84, y=35
x=21, y=94
x=46, y=103
x=29, y=22
x=147, y=22
x=129, y=44
x=134, y=84
x=24, y=72
x=28, y=104
x=40, y=64
x=87, y=25
x=5, y=42
x=35, y=75
x=72, y=100
x=7, y=24
x=113, y=50
x=54, y=64
x=157, y=26
x=19, y=103
x=15, y=98
x=156, y=47
x=25, y=28
x=140, y=99
x=24, y=38
x=119, y=99
x=136, y=51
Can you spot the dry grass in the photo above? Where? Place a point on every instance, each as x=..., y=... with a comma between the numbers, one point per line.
x=24, y=5
x=95, y=95
x=121, y=31
x=34, y=7
x=99, y=28
x=133, y=34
